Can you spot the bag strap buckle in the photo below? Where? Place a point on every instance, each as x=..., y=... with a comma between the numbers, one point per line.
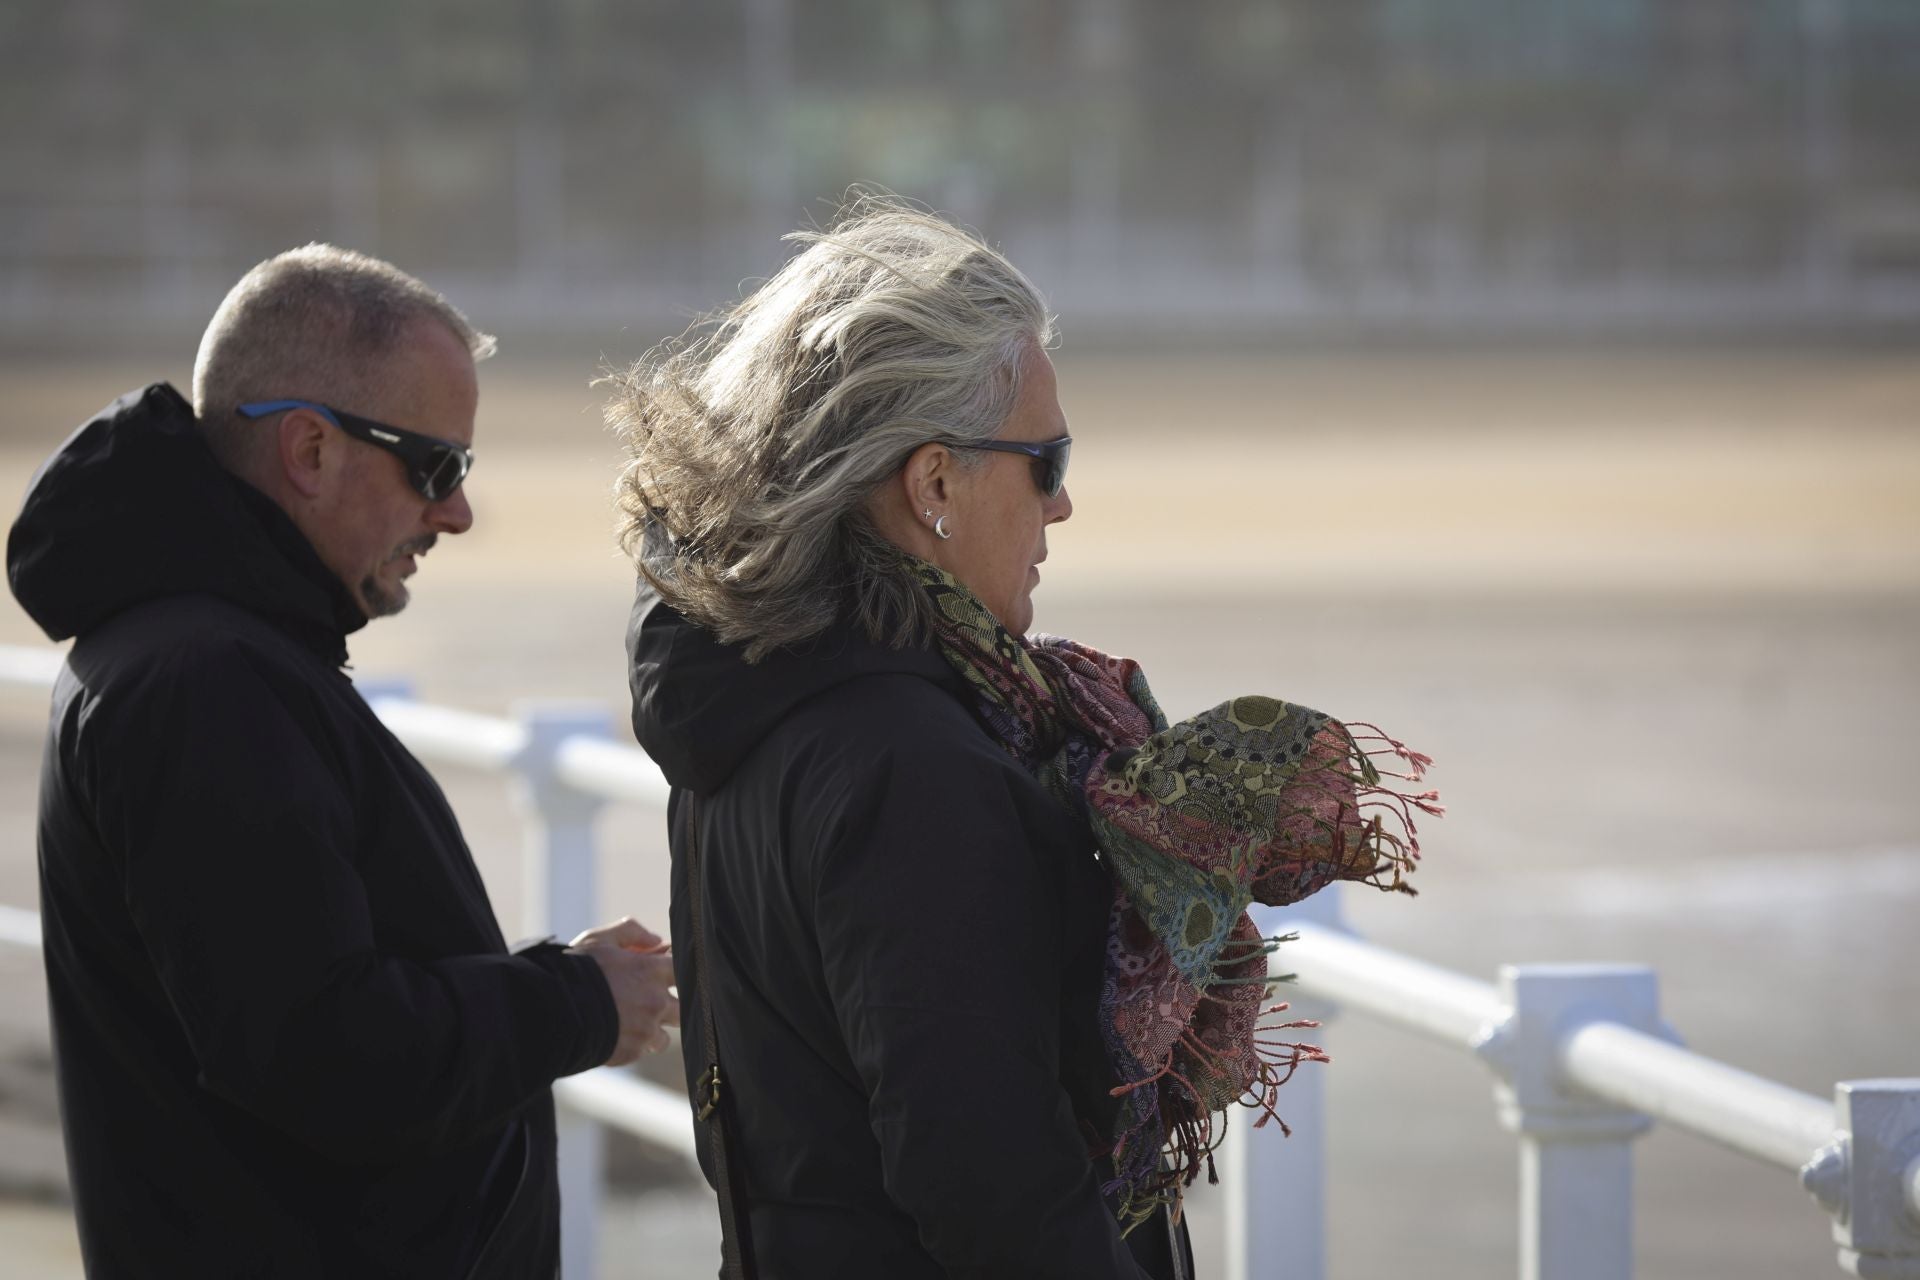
x=709, y=1091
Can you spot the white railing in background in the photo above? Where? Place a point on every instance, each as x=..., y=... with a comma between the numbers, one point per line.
x=1583, y=1063
x=564, y=766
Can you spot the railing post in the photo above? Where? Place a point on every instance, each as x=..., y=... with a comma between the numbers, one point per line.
x=1576, y=1158
x=373, y=689
x=559, y=898
x=1277, y=1186
x=1869, y=1179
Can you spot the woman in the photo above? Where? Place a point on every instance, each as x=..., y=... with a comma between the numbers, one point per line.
x=946, y=1042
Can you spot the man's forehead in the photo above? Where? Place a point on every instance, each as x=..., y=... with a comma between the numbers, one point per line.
x=429, y=383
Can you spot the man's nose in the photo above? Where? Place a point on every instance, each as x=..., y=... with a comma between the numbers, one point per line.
x=451, y=514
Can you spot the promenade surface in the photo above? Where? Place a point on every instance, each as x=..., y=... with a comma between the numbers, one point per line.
x=1654, y=613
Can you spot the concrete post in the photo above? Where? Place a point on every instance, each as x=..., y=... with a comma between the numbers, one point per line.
x=1276, y=1185
x=1576, y=1165
x=559, y=898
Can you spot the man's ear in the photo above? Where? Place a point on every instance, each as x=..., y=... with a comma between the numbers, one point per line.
x=304, y=442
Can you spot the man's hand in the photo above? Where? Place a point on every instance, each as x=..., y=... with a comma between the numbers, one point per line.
x=639, y=972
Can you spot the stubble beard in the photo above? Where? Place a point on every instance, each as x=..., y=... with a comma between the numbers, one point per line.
x=381, y=601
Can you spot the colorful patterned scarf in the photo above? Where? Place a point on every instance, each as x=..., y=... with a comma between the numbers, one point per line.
x=1257, y=800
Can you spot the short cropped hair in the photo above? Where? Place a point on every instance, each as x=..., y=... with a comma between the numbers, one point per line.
x=312, y=323
x=754, y=450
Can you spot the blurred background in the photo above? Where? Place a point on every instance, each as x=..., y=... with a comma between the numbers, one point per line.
x=1538, y=378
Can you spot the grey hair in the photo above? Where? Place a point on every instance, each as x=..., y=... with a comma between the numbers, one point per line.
x=313, y=323
x=754, y=449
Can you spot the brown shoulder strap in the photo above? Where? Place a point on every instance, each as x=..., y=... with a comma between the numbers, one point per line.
x=736, y=1248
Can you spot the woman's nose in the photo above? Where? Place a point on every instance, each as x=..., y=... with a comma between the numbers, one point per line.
x=1059, y=506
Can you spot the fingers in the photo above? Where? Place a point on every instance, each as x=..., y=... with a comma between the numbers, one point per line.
x=625, y=932
x=638, y=966
x=652, y=968
x=640, y=979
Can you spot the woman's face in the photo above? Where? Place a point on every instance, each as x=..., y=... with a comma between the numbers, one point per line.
x=997, y=513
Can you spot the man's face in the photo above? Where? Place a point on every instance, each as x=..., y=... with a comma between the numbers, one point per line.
x=369, y=524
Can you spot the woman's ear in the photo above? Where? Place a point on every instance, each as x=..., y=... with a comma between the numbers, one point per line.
x=905, y=508
x=303, y=438
x=928, y=478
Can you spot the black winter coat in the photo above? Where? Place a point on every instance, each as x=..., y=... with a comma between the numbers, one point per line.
x=290, y=1039
x=905, y=935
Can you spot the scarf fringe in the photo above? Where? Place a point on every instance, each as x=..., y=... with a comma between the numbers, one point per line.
x=1193, y=1130
x=1257, y=800
x=1346, y=791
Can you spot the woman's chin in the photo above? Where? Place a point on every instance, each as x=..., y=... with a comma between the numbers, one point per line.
x=1020, y=617
x=1015, y=612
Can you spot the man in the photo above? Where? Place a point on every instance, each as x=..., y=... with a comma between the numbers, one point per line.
x=290, y=1038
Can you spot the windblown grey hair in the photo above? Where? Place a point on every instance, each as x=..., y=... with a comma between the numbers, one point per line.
x=313, y=323
x=754, y=449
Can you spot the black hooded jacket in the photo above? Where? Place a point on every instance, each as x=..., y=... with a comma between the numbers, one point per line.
x=904, y=933
x=290, y=1039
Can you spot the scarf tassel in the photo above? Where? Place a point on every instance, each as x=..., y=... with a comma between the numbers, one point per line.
x=1207, y=830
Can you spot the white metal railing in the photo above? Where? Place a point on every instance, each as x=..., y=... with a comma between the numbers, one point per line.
x=564, y=767
x=1582, y=1062
x=1583, y=1065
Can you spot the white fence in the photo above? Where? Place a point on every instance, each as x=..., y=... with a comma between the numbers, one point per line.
x=1582, y=1062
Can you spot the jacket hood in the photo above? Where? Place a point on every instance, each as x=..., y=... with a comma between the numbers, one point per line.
x=699, y=707
x=134, y=507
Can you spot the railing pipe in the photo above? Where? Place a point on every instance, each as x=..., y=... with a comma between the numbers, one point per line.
x=1734, y=1108
x=1585, y=1063
x=1277, y=1213
x=635, y=1106
x=611, y=770
x=1869, y=1178
x=456, y=737
x=559, y=898
x=1408, y=993
x=1576, y=1150
x=19, y=928
x=30, y=668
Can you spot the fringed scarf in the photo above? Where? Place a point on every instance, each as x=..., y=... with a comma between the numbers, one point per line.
x=1257, y=800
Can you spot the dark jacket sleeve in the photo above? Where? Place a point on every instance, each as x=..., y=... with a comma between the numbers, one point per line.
x=237, y=834
x=938, y=926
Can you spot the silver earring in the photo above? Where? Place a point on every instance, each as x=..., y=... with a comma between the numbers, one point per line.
x=927, y=514
x=940, y=527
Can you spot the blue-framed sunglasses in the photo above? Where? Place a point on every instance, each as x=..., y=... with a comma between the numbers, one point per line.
x=435, y=467
x=1049, y=459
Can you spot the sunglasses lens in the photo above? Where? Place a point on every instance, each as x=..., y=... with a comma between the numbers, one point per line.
x=440, y=475
x=1050, y=472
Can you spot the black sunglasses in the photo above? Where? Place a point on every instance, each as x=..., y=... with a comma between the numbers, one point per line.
x=435, y=467
x=1049, y=459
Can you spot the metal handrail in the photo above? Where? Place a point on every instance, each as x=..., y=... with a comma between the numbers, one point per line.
x=1606, y=1060
x=1584, y=1064
x=1737, y=1109
x=1411, y=994
x=637, y=1107
x=452, y=737
x=19, y=927
x=582, y=765
x=29, y=668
